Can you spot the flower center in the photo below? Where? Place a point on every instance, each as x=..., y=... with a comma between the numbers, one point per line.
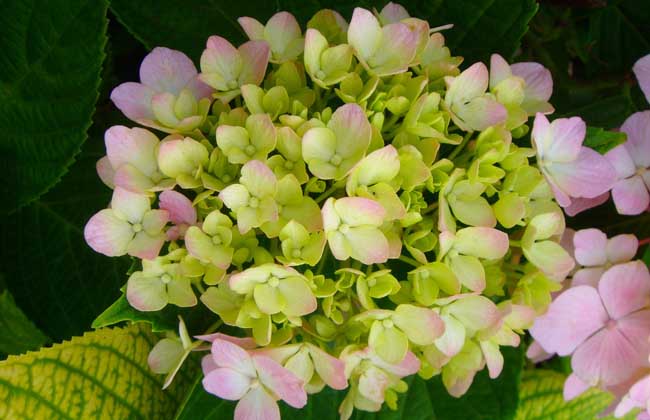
x=216, y=240
x=137, y=227
x=320, y=74
x=232, y=84
x=253, y=202
x=372, y=282
x=387, y=323
x=611, y=324
x=165, y=278
x=274, y=282
x=226, y=178
x=250, y=150
x=288, y=165
x=336, y=160
x=296, y=253
x=344, y=228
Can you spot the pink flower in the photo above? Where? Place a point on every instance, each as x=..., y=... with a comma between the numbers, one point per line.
x=595, y=253
x=632, y=163
x=170, y=96
x=642, y=71
x=637, y=397
x=572, y=170
x=256, y=381
x=606, y=328
x=181, y=213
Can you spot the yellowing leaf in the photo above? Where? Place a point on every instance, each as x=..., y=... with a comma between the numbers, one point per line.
x=540, y=398
x=101, y=375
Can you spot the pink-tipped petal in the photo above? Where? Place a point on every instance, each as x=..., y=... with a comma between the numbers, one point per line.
x=255, y=57
x=493, y=358
x=369, y=245
x=227, y=384
x=578, y=205
x=624, y=288
x=134, y=100
x=499, y=70
x=539, y=86
x=129, y=205
x=590, y=247
x=253, y=28
x=573, y=387
x=482, y=242
x=106, y=172
x=135, y=146
x=568, y=134
x=145, y=246
x=352, y=130
x=397, y=50
x=257, y=404
x=631, y=196
x=642, y=72
x=393, y=12
x=536, y=353
x=590, y=175
x=619, y=157
x=359, y=211
x=166, y=70
x=280, y=30
x=222, y=58
x=247, y=343
x=572, y=317
x=229, y=355
x=179, y=207
x=258, y=178
x=108, y=234
x=281, y=380
x=364, y=33
x=637, y=128
x=622, y=248
x=330, y=369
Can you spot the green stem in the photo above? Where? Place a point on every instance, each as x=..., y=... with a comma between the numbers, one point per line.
x=460, y=147
x=430, y=208
x=409, y=260
x=214, y=327
x=335, y=186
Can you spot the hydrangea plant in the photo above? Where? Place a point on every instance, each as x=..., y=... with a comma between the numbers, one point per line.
x=353, y=209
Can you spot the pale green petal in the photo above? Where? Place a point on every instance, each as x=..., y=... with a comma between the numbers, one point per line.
x=180, y=293
x=389, y=343
x=146, y=293
x=470, y=272
x=298, y=296
x=269, y=299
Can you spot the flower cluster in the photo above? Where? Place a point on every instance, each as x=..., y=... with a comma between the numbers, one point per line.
x=350, y=203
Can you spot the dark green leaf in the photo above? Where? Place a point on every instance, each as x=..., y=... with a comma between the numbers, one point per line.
x=56, y=279
x=52, y=52
x=19, y=334
x=493, y=399
x=161, y=23
x=603, y=141
x=121, y=311
x=608, y=112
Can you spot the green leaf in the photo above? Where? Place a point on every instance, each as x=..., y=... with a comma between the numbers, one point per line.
x=541, y=399
x=19, y=334
x=646, y=256
x=50, y=68
x=102, y=375
x=57, y=280
x=121, y=311
x=493, y=399
x=159, y=22
x=603, y=141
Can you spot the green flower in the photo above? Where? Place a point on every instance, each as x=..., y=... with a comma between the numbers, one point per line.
x=211, y=242
x=299, y=246
x=292, y=205
x=289, y=161
x=254, y=142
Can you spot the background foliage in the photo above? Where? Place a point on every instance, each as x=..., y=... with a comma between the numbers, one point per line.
x=60, y=60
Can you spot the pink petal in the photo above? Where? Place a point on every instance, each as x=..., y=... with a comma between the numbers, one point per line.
x=622, y=162
x=470, y=84
x=578, y=205
x=622, y=248
x=631, y=196
x=179, y=207
x=247, y=343
x=624, y=288
x=352, y=129
x=255, y=57
x=280, y=30
x=607, y=358
x=166, y=70
x=587, y=277
x=393, y=12
x=536, y=353
x=572, y=317
x=135, y=146
x=253, y=28
x=134, y=100
x=499, y=70
x=227, y=383
x=539, y=82
x=408, y=366
x=281, y=380
x=369, y=245
x=642, y=72
x=590, y=175
x=230, y=355
x=130, y=178
x=637, y=128
x=573, y=387
x=364, y=33
x=590, y=247
x=221, y=57
x=208, y=364
x=257, y=404
x=329, y=368
x=108, y=234
x=199, y=89
x=105, y=171
x=145, y=246
x=359, y=211
x=567, y=137
x=397, y=50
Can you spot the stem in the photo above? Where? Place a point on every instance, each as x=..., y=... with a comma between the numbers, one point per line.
x=214, y=327
x=335, y=186
x=461, y=146
x=409, y=260
x=644, y=241
x=515, y=243
x=430, y=208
